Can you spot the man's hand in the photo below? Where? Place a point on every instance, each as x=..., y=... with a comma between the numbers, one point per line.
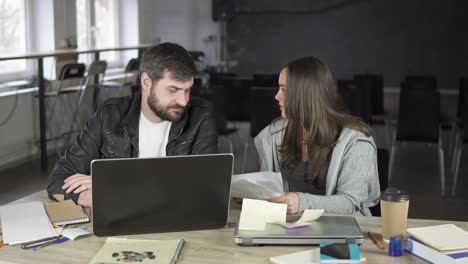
x=58, y=197
x=77, y=183
x=291, y=199
x=86, y=198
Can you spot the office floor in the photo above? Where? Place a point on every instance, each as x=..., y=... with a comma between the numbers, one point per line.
x=416, y=171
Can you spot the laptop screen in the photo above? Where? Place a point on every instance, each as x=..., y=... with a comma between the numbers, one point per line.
x=136, y=196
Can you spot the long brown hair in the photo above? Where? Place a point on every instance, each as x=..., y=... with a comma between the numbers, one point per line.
x=315, y=115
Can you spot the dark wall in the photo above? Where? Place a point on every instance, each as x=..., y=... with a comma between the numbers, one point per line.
x=394, y=38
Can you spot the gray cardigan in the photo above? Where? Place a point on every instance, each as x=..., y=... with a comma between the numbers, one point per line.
x=352, y=183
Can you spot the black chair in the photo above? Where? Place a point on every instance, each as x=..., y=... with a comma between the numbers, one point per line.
x=198, y=89
x=265, y=80
x=382, y=164
x=356, y=98
x=419, y=122
x=63, y=104
x=218, y=100
x=216, y=78
x=420, y=82
x=129, y=76
x=263, y=108
x=250, y=161
x=87, y=102
x=123, y=85
x=236, y=92
x=91, y=88
x=225, y=145
x=460, y=135
x=457, y=123
x=199, y=59
x=375, y=84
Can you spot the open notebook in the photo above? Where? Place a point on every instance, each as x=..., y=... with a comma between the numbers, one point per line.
x=65, y=213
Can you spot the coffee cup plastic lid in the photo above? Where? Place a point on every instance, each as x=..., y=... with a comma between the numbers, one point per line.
x=392, y=194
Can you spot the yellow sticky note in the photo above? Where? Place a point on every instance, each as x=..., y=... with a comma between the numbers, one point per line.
x=252, y=216
x=276, y=213
x=310, y=215
x=59, y=229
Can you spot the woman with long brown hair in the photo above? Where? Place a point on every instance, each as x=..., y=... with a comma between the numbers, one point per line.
x=327, y=157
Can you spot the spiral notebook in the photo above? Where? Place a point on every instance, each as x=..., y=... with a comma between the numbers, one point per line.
x=65, y=213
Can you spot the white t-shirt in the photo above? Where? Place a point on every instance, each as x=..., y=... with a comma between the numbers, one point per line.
x=153, y=138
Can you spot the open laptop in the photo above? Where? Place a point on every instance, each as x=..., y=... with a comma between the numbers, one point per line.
x=151, y=195
x=328, y=228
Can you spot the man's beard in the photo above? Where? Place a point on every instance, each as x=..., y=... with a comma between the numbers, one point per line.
x=163, y=112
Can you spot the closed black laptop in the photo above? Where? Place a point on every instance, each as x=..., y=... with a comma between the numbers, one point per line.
x=151, y=195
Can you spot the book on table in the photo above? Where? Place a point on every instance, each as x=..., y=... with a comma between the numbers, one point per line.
x=439, y=244
x=432, y=255
x=445, y=238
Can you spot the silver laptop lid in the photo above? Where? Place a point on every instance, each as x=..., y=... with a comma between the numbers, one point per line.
x=150, y=195
x=328, y=228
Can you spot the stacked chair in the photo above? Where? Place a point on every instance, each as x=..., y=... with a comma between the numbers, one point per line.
x=419, y=122
x=459, y=134
x=62, y=103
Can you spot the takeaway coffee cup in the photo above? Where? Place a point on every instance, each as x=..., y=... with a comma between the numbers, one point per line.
x=394, y=205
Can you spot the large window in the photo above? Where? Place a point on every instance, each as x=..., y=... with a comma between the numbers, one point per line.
x=12, y=35
x=97, y=26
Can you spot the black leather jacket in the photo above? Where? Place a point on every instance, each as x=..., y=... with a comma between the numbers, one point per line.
x=112, y=132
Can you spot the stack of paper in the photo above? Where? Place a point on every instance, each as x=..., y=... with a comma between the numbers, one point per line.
x=257, y=185
x=256, y=214
x=25, y=222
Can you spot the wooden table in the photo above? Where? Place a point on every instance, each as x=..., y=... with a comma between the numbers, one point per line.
x=39, y=56
x=205, y=246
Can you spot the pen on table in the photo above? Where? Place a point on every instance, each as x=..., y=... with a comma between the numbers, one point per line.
x=39, y=242
x=376, y=241
x=58, y=241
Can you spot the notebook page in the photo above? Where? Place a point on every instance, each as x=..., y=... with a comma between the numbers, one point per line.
x=25, y=222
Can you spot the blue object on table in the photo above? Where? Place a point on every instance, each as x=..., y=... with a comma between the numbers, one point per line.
x=395, y=249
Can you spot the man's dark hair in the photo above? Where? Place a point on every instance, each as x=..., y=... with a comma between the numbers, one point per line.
x=168, y=57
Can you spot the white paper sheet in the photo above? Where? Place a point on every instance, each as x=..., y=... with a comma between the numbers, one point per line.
x=252, y=216
x=310, y=215
x=275, y=213
x=308, y=256
x=256, y=214
x=257, y=185
x=25, y=222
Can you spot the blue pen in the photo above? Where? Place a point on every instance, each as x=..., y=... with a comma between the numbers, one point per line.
x=57, y=241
